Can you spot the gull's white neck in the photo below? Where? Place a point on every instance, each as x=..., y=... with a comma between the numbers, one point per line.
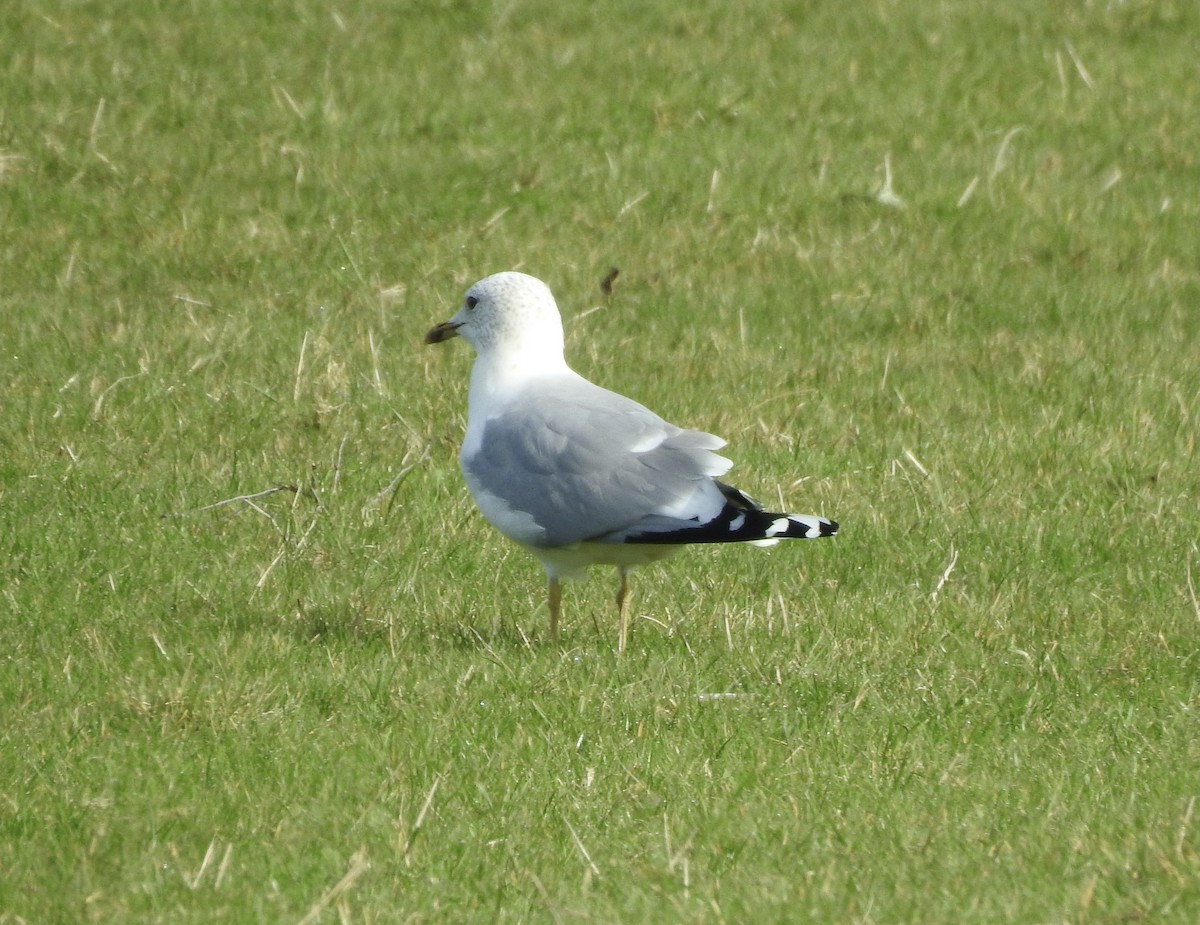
x=498, y=373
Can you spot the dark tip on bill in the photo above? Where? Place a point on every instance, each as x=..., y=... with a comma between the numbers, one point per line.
x=441, y=332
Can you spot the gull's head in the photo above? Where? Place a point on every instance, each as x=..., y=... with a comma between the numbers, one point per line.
x=508, y=313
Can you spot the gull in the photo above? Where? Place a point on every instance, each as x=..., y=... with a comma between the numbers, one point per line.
x=579, y=475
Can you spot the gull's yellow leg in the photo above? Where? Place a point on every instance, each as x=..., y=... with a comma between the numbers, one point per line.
x=623, y=609
x=555, y=590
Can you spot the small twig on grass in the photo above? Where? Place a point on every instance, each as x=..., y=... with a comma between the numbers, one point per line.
x=187, y=300
x=1001, y=160
x=420, y=820
x=582, y=850
x=916, y=462
x=68, y=273
x=312, y=487
x=631, y=203
x=376, y=379
x=246, y=499
x=495, y=219
x=946, y=574
x=1062, y=72
x=193, y=882
x=95, y=133
x=337, y=465
x=358, y=866
x=1114, y=177
x=407, y=426
x=278, y=90
x=283, y=551
x=210, y=855
x=262, y=579
x=98, y=406
x=544, y=893
x=437, y=781
x=887, y=193
x=675, y=858
x=1181, y=837
x=223, y=867
x=1192, y=591
x=492, y=655
x=300, y=368
x=1083, y=71
x=350, y=257
x=389, y=491
x=968, y=192
x=649, y=619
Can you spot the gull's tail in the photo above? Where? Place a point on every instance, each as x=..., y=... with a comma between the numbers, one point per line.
x=741, y=520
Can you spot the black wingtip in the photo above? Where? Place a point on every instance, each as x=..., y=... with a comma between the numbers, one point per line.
x=742, y=525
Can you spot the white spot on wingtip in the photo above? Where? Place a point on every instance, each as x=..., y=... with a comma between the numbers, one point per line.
x=779, y=525
x=737, y=523
x=811, y=526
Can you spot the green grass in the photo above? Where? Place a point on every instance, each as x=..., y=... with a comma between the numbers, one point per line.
x=224, y=228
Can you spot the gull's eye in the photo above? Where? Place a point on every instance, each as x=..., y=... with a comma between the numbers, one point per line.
x=472, y=301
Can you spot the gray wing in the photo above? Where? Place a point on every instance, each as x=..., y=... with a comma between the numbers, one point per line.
x=582, y=463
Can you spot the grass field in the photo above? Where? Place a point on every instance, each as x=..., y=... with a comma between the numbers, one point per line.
x=263, y=661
